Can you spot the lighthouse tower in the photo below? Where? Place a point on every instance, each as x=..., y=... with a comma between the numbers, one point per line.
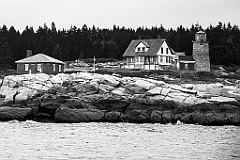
x=201, y=52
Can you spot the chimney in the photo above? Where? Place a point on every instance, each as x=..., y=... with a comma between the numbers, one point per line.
x=29, y=53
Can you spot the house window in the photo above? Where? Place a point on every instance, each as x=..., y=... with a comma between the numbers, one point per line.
x=131, y=59
x=151, y=59
x=161, y=59
x=167, y=59
x=186, y=66
x=136, y=59
x=26, y=67
x=166, y=50
x=141, y=59
x=138, y=49
x=59, y=68
x=162, y=50
x=54, y=67
x=143, y=49
x=39, y=68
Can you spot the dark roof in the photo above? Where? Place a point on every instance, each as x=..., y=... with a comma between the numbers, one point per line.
x=186, y=58
x=153, y=44
x=39, y=58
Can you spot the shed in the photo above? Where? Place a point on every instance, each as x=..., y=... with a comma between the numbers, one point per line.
x=187, y=63
x=39, y=63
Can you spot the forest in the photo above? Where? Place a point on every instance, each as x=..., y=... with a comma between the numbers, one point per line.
x=86, y=42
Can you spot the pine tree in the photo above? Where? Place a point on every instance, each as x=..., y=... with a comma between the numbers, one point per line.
x=6, y=59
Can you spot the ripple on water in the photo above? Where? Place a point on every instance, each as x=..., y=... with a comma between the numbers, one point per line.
x=34, y=140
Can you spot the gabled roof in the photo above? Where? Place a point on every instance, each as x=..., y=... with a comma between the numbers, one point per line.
x=154, y=46
x=144, y=42
x=186, y=59
x=39, y=58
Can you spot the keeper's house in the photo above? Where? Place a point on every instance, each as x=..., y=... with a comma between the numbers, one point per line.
x=39, y=63
x=150, y=54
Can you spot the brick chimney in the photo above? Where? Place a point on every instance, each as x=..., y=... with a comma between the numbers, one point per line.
x=29, y=53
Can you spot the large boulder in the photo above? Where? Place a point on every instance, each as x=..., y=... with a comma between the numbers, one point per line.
x=154, y=91
x=34, y=104
x=68, y=115
x=203, y=118
x=156, y=116
x=8, y=92
x=56, y=79
x=134, y=89
x=112, y=105
x=144, y=84
x=65, y=77
x=50, y=103
x=113, y=116
x=232, y=119
x=25, y=93
x=120, y=91
x=221, y=99
x=77, y=104
x=105, y=88
x=111, y=80
x=85, y=89
x=14, y=113
x=138, y=116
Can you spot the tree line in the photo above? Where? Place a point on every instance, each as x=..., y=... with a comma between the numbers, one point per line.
x=86, y=42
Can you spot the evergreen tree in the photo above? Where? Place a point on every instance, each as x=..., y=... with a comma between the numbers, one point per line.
x=6, y=59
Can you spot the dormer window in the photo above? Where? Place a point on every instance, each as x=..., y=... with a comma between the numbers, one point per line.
x=142, y=47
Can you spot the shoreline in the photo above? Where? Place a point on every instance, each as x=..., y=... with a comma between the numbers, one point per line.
x=87, y=97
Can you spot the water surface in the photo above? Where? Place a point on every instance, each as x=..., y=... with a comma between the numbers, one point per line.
x=108, y=141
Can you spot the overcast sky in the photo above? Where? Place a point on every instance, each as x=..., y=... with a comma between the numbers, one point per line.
x=127, y=13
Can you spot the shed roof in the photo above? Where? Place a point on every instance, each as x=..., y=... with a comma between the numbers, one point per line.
x=153, y=44
x=186, y=59
x=39, y=58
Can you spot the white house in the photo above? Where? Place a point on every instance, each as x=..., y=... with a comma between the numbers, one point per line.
x=150, y=54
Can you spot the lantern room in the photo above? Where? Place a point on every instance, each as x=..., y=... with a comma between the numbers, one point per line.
x=200, y=36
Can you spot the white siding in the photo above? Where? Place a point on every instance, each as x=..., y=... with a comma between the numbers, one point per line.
x=141, y=46
x=164, y=55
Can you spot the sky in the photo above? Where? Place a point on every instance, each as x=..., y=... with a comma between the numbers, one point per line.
x=127, y=13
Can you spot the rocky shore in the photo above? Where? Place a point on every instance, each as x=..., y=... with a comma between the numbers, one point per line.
x=87, y=97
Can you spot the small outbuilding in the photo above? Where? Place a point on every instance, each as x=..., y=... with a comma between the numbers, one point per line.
x=39, y=63
x=187, y=63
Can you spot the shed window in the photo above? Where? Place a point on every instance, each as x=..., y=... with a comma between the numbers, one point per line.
x=26, y=67
x=59, y=68
x=54, y=67
x=39, y=67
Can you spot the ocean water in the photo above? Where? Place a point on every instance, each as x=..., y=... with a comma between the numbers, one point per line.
x=109, y=141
